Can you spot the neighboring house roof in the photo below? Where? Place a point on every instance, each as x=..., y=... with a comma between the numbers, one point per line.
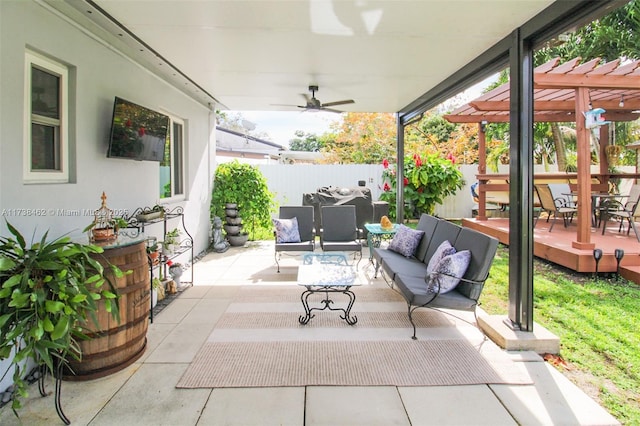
x=232, y=143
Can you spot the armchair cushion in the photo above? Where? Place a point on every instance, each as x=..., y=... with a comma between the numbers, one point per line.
x=406, y=241
x=448, y=272
x=287, y=230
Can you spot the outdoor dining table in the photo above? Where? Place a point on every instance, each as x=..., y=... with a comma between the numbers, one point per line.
x=599, y=205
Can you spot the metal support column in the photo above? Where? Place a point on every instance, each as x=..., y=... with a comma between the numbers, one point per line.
x=521, y=184
x=399, y=170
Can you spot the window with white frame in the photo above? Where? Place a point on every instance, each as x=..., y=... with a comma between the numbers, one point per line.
x=46, y=153
x=172, y=166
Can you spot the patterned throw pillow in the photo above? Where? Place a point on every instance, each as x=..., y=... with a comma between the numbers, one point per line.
x=287, y=230
x=454, y=265
x=406, y=241
x=444, y=249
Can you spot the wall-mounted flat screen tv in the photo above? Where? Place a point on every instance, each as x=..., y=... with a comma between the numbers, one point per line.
x=137, y=133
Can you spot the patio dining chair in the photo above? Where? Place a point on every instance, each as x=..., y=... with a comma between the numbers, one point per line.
x=339, y=230
x=561, y=192
x=287, y=239
x=625, y=211
x=555, y=207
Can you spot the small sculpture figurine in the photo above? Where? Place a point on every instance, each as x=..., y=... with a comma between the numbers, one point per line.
x=220, y=244
x=385, y=223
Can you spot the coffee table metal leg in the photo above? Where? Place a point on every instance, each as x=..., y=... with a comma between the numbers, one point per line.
x=304, y=298
x=351, y=320
x=327, y=304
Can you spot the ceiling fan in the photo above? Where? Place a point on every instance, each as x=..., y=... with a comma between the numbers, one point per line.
x=314, y=104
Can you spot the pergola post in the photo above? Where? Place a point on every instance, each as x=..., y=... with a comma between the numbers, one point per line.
x=583, y=136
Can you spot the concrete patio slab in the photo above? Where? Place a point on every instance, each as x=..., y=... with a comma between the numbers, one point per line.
x=454, y=405
x=552, y=400
x=255, y=407
x=354, y=406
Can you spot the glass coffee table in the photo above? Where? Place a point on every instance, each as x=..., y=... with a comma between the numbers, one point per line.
x=327, y=273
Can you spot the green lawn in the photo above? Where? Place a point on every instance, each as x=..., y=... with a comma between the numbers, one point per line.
x=597, y=321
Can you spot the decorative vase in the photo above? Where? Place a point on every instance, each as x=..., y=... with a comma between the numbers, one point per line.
x=176, y=273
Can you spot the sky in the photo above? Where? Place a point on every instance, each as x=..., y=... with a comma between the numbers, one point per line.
x=282, y=125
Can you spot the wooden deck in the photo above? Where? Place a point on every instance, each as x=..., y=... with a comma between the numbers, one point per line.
x=555, y=246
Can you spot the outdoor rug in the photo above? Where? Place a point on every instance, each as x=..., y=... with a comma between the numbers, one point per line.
x=259, y=342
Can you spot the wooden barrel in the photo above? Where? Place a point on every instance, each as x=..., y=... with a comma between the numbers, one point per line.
x=114, y=346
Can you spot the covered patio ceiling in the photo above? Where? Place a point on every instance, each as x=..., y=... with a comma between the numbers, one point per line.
x=564, y=92
x=262, y=55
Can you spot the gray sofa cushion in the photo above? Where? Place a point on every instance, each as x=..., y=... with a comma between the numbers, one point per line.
x=483, y=249
x=399, y=263
x=427, y=223
x=415, y=292
x=444, y=231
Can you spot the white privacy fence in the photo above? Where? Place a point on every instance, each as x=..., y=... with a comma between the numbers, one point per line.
x=289, y=182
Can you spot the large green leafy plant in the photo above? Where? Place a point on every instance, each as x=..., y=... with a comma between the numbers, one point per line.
x=244, y=185
x=427, y=181
x=48, y=292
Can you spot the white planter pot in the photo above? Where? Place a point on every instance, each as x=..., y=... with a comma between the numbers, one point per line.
x=154, y=298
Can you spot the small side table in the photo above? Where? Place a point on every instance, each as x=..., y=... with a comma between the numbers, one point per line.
x=376, y=235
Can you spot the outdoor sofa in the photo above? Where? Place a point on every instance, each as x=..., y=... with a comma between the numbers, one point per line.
x=423, y=275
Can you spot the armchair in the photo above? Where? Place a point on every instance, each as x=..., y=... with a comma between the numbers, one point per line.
x=339, y=230
x=287, y=240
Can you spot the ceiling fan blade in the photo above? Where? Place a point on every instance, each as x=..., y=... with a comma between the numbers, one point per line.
x=331, y=110
x=287, y=105
x=329, y=104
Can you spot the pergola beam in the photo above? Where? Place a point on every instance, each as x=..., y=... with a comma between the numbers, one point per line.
x=550, y=81
x=568, y=105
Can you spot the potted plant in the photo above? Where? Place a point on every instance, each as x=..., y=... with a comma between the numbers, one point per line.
x=157, y=292
x=613, y=154
x=48, y=291
x=148, y=214
x=152, y=251
x=171, y=241
x=239, y=186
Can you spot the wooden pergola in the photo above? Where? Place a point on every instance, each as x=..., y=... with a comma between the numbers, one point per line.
x=564, y=93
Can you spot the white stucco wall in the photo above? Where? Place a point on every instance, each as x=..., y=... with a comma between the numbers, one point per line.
x=98, y=75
